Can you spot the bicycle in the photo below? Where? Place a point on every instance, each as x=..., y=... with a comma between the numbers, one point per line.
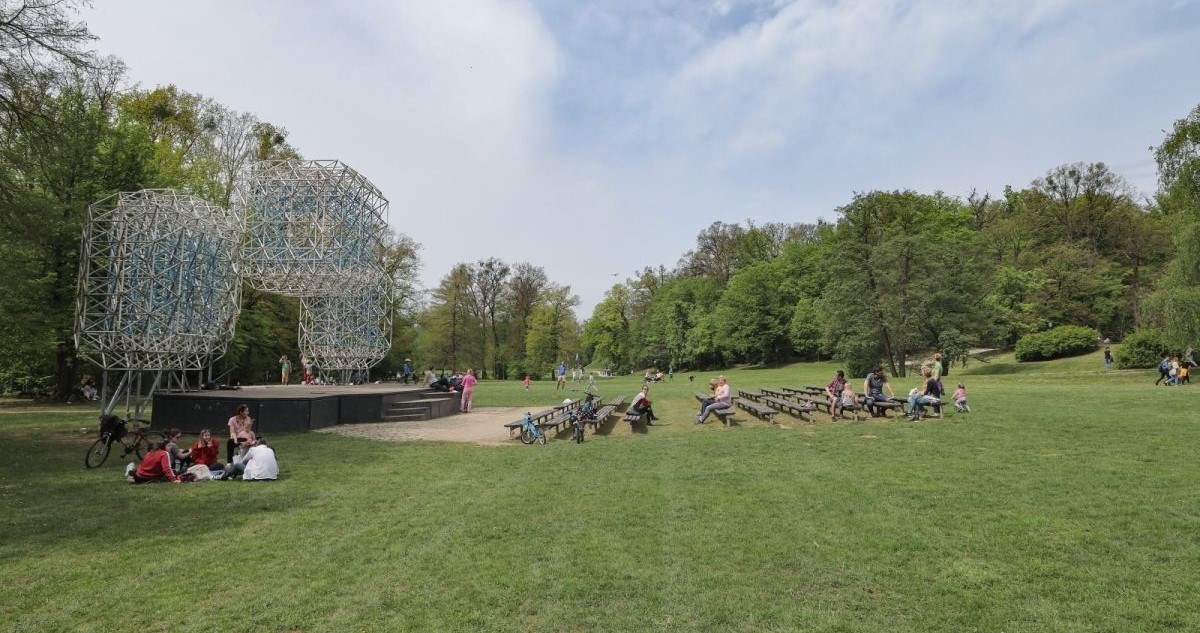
x=530, y=433
x=112, y=431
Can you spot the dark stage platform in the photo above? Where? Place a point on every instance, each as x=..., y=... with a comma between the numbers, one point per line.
x=300, y=407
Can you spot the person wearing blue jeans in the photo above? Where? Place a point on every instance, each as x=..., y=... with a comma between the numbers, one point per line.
x=917, y=399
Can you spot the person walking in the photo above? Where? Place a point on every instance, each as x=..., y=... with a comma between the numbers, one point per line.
x=285, y=369
x=1108, y=359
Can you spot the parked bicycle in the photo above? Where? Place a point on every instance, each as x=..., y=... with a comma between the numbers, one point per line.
x=530, y=432
x=137, y=441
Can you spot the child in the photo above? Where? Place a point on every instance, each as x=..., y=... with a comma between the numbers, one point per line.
x=960, y=399
x=849, y=400
x=1185, y=374
x=526, y=382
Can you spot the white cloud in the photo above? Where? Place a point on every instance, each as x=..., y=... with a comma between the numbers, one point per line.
x=601, y=136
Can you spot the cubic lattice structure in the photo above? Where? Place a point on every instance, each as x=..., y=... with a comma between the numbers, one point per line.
x=349, y=331
x=159, y=281
x=310, y=227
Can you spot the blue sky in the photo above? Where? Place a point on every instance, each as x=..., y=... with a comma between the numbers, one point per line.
x=594, y=138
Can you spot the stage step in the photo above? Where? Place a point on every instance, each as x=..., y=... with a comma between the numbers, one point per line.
x=406, y=417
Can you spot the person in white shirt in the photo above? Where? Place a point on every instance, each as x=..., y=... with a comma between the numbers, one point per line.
x=257, y=464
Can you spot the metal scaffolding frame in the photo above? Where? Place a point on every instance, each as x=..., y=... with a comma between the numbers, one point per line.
x=351, y=331
x=159, y=288
x=161, y=273
x=310, y=226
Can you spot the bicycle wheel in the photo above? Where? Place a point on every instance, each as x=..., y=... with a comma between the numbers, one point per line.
x=97, y=453
x=541, y=438
x=145, y=442
x=527, y=436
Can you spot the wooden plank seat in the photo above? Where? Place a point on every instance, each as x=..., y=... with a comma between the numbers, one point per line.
x=798, y=409
x=723, y=413
x=757, y=410
x=753, y=396
x=895, y=405
x=541, y=418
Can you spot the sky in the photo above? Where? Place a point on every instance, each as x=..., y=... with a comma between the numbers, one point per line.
x=595, y=138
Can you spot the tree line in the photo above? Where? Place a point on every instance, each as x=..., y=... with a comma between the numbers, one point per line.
x=897, y=273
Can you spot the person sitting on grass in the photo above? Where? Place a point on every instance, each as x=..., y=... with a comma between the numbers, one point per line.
x=181, y=458
x=257, y=464
x=206, y=450
x=155, y=466
x=641, y=405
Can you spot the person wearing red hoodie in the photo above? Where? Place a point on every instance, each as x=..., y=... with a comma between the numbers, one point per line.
x=155, y=466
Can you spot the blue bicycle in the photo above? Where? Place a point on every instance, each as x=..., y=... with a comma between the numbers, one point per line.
x=530, y=433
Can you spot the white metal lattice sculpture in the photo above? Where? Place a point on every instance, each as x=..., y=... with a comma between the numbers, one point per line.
x=311, y=227
x=350, y=331
x=159, y=281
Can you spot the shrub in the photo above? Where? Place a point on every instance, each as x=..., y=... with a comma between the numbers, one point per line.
x=1142, y=349
x=1060, y=342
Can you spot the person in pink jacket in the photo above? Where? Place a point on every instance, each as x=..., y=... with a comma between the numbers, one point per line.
x=468, y=390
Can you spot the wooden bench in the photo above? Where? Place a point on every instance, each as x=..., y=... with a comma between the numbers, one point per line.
x=757, y=410
x=723, y=413
x=896, y=406
x=540, y=419
x=753, y=396
x=798, y=409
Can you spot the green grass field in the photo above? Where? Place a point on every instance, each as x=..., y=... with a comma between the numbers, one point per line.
x=1067, y=501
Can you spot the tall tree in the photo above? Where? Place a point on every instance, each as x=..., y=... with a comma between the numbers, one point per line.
x=901, y=271
x=487, y=285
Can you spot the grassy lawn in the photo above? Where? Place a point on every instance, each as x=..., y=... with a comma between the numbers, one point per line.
x=1067, y=501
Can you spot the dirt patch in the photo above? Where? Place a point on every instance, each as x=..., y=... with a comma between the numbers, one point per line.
x=484, y=425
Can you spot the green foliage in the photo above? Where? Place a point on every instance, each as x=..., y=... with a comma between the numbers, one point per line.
x=1178, y=160
x=755, y=313
x=902, y=270
x=1142, y=349
x=1059, y=342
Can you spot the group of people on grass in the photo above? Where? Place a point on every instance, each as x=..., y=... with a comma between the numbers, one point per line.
x=1172, y=370
x=247, y=456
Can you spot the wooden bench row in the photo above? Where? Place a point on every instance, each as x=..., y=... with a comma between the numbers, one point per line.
x=560, y=415
x=803, y=401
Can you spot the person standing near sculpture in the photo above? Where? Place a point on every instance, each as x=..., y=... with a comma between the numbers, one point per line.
x=468, y=391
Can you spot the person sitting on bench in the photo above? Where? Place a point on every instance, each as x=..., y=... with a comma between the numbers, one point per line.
x=641, y=405
x=721, y=400
x=873, y=387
